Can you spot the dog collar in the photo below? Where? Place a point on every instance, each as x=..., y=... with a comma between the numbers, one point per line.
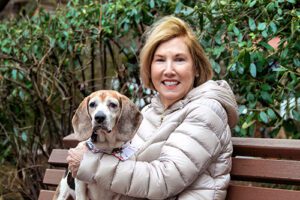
x=92, y=148
x=123, y=153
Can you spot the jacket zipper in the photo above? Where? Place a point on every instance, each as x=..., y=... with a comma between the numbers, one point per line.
x=161, y=119
x=162, y=116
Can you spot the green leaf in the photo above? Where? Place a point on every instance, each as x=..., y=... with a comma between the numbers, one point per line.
x=292, y=1
x=280, y=69
x=252, y=24
x=187, y=11
x=232, y=67
x=270, y=7
x=242, y=109
x=241, y=69
x=223, y=2
x=236, y=30
x=218, y=50
x=263, y=117
x=284, y=53
x=52, y=42
x=178, y=7
x=152, y=3
x=273, y=27
x=250, y=97
x=266, y=87
x=247, y=124
x=215, y=66
x=266, y=96
x=24, y=136
x=252, y=3
x=253, y=70
x=296, y=62
x=264, y=34
x=266, y=45
x=296, y=115
x=240, y=37
x=14, y=74
x=261, y=26
x=24, y=58
x=230, y=27
x=271, y=114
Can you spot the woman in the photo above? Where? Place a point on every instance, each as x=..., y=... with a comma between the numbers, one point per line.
x=184, y=140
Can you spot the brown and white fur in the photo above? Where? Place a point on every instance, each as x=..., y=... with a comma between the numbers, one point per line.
x=111, y=119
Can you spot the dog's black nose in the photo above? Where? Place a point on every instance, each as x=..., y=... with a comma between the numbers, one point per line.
x=100, y=117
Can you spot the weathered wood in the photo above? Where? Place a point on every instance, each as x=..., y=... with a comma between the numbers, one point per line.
x=53, y=176
x=46, y=195
x=69, y=141
x=239, y=192
x=58, y=157
x=266, y=170
x=266, y=147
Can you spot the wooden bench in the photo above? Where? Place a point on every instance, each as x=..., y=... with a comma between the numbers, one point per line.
x=262, y=169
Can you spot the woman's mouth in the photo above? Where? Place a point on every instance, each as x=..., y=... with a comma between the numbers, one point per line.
x=170, y=83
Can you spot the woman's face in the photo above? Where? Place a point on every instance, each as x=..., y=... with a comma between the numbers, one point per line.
x=172, y=70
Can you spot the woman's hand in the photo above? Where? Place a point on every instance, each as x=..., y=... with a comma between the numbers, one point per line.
x=75, y=156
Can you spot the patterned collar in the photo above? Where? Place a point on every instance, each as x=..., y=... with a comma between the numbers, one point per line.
x=123, y=153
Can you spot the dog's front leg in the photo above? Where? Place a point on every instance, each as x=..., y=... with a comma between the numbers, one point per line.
x=80, y=191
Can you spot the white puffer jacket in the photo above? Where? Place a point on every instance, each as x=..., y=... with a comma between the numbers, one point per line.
x=184, y=151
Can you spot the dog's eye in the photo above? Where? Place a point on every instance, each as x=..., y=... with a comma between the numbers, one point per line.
x=92, y=104
x=112, y=105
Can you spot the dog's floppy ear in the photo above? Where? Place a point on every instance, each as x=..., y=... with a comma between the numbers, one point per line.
x=81, y=121
x=130, y=118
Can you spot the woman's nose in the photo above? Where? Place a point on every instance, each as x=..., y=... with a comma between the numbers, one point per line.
x=169, y=68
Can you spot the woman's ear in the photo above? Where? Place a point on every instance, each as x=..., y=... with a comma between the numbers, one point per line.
x=81, y=122
x=130, y=118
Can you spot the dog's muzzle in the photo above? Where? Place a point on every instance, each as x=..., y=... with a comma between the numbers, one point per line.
x=100, y=122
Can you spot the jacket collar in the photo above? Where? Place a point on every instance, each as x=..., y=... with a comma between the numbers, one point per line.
x=216, y=90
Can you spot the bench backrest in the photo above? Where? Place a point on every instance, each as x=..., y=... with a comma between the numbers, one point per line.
x=259, y=168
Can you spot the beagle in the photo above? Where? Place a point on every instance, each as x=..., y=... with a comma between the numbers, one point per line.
x=107, y=121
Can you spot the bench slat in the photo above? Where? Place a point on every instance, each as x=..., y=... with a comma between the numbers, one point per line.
x=266, y=147
x=46, y=195
x=69, y=141
x=238, y=192
x=279, y=171
x=58, y=157
x=53, y=176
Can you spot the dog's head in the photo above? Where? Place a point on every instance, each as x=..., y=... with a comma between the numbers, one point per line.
x=109, y=113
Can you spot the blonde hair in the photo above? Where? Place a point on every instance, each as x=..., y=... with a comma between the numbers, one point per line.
x=163, y=30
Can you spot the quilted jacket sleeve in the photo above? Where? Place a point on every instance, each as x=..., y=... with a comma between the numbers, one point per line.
x=186, y=153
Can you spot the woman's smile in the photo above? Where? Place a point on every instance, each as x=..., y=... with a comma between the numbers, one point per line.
x=170, y=84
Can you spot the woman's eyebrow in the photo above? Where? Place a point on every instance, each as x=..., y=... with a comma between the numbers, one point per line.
x=180, y=54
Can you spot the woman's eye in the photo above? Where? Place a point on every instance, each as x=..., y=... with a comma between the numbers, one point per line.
x=112, y=105
x=92, y=104
x=179, y=59
x=159, y=60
